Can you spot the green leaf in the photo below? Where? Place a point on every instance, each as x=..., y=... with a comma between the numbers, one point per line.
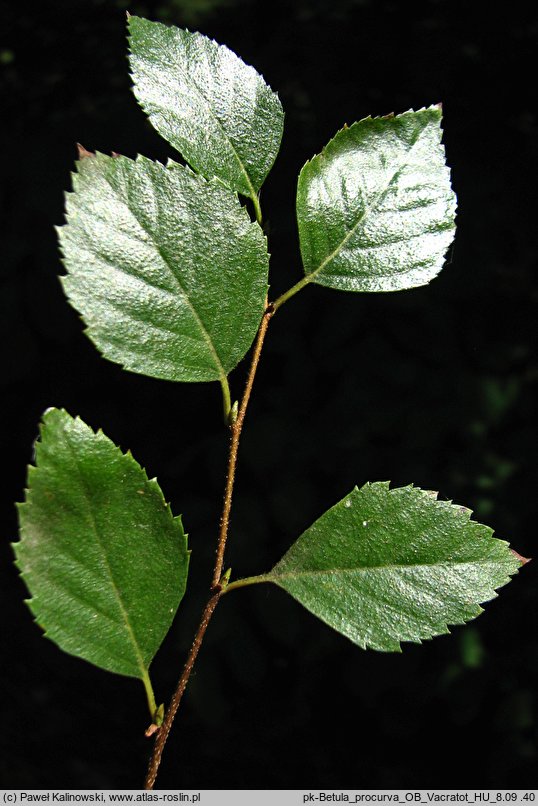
x=166, y=268
x=218, y=112
x=100, y=552
x=375, y=209
x=384, y=566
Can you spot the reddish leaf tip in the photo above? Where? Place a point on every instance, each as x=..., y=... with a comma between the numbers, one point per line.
x=522, y=560
x=83, y=153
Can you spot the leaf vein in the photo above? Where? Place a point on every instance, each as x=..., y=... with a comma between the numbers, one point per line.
x=183, y=293
x=368, y=208
x=93, y=525
x=366, y=569
x=190, y=81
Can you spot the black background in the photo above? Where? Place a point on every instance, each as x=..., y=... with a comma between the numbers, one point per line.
x=435, y=386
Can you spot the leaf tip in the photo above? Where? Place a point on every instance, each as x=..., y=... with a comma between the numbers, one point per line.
x=522, y=560
x=83, y=153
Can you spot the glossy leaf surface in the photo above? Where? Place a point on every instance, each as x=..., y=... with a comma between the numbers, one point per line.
x=375, y=209
x=166, y=268
x=218, y=112
x=384, y=566
x=100, y=552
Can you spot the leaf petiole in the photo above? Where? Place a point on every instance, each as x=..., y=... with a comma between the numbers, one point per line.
x=226, y=399
x=292, y=291
x=257, y=207
x=152, y=705
x=242, y=583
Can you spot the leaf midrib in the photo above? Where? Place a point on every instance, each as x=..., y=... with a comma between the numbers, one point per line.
x=206, y=336
x=86, y=497
x=365, y=569
x=191, y=83
x=367, y=211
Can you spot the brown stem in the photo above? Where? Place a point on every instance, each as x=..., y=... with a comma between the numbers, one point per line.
x=216, y=590
x=164, y=730
x=236, y=429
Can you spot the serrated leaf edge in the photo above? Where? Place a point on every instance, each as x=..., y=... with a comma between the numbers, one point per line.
x=317, y=158
x=213, y=43
x=144, y=676
x=462, y=511
x=171, y=165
